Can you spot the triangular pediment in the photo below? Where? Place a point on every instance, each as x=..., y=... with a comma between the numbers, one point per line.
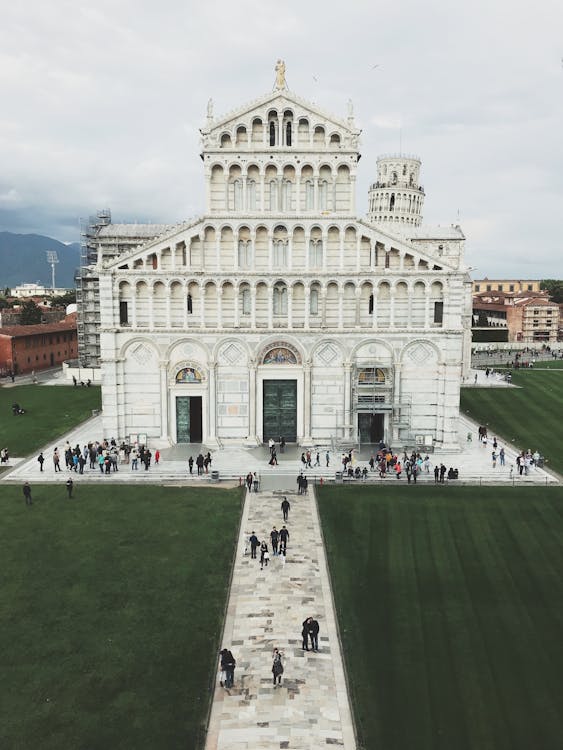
x=280, y=100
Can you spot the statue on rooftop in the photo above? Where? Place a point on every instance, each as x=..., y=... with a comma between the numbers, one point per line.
x=280, y=76
x=210, y=109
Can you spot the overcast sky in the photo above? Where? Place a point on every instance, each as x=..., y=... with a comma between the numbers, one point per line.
x=100, y=105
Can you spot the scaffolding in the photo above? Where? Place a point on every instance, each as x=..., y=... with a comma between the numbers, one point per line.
x=88, y=290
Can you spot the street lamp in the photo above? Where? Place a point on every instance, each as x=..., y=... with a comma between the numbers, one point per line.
x=52, y=259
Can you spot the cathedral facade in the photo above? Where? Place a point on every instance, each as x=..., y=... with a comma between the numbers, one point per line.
x=279, y=312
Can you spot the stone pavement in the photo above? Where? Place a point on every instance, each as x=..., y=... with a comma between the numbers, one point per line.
x=266, y=609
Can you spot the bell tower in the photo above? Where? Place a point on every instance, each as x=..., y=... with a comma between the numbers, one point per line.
x=397, y=197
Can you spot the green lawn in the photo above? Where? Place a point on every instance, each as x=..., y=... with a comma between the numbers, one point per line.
x=111, y=607
x=449, y=604
x=50, y=411
x=527, y=417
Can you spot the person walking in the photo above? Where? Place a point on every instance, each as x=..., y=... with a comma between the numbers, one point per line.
x=327, y=457
x=305, y=634
x=494, y=459
x=285, y=506
x=191, y=465
x=27, y=493
x=264, y=555
x=41, y=460
x=56, y=460
x=314, y=633
x=228, y=664
x=502, y=456
x=274, y=538
x=199, y=463
x=254, y=544
x=69, y=486
x=277, y=667
x=283, y=539
x=248, y=481
x=436, y=474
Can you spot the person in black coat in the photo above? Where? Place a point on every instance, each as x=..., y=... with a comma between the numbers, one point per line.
x=254, y=544
x=314, y=633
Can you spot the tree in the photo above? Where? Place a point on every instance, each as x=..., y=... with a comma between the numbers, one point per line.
x=555, y=289
x=30, y=313
x=63, y=300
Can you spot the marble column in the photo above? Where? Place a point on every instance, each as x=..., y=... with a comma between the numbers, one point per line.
x=253, y=307
x=163, y=364
x=307, y=306
x=347, y=399
x=290, y=307
x=397, y=410
x=202, y=305
x=270, y=306
x=307, y=398
x=212, y=405
x=252, y=439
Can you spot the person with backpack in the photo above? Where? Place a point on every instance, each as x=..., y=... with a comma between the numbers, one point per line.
x=277, y=667
x=41, y=460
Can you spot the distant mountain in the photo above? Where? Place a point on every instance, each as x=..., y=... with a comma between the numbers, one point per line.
x=23, y=260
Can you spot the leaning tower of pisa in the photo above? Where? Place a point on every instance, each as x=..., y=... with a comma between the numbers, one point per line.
x=397, y=195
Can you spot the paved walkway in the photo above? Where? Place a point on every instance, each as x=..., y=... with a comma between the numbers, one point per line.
x=266, y=609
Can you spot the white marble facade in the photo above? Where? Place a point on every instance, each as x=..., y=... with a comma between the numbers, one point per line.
x=367, y=329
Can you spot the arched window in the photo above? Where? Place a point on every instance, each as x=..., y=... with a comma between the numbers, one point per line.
x=314, y=302
x=280, y=254
x=286, y=195
x=237, y=195
x=315, y=253
x=272, y=133
x=309, y=196
x=370, y=306
x=244, y=253
x=251, y=195
x=280, y=300
x=190, y=304
x=288, y=134
x=274, y=198
x=323, y=195
x=245, y=300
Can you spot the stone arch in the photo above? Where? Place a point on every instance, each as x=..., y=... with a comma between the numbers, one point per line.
x=275, y=347
x=187, y=348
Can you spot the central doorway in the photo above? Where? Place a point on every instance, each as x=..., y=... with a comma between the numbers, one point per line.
x=279, y=413
x=188, y=419
x=371, y=427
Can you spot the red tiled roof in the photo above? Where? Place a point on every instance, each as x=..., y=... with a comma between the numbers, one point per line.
x=68, y=324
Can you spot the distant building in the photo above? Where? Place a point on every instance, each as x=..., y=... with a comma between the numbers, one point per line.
x=25, y=291
x=37, y=347
x=528, y=316
x=505, y=285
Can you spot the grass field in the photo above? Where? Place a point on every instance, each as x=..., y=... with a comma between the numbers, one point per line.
x=450, y=611
x=526, y=417
x=112, y=608
x=50, y=411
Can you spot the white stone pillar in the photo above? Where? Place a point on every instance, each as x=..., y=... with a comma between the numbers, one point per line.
x=262, y=192
x=353, y=193
x=358, y=302
x=307, y=249
x=218, y=249
x=163, y=364
x=340, y=309
x=290, y=251
x=374, y=320
x=235, y=252
x=325, y=250
x=392, y=308
x=347, y=398
x=401, y=261
x=173, y=255
x=253, y=307
x=212, y=405
x=252, y=439
x=298, y=191
x=290, y=307
x=307, y=397
x=219, y=306
x=202, y=304
x=245, y=191
x=185, y=287
x=134, y=307
x=316, y=193
x=358, y=252
x=270, y=306
x=237, y=306
x=396, y=401
x=324, y=292
x=426, y=307
x=270, y=250
x=342, y=234
x=168, y=311
x=307, y=306
x=151, y=308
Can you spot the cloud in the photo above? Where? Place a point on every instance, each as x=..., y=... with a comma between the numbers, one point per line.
x=102, y=104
